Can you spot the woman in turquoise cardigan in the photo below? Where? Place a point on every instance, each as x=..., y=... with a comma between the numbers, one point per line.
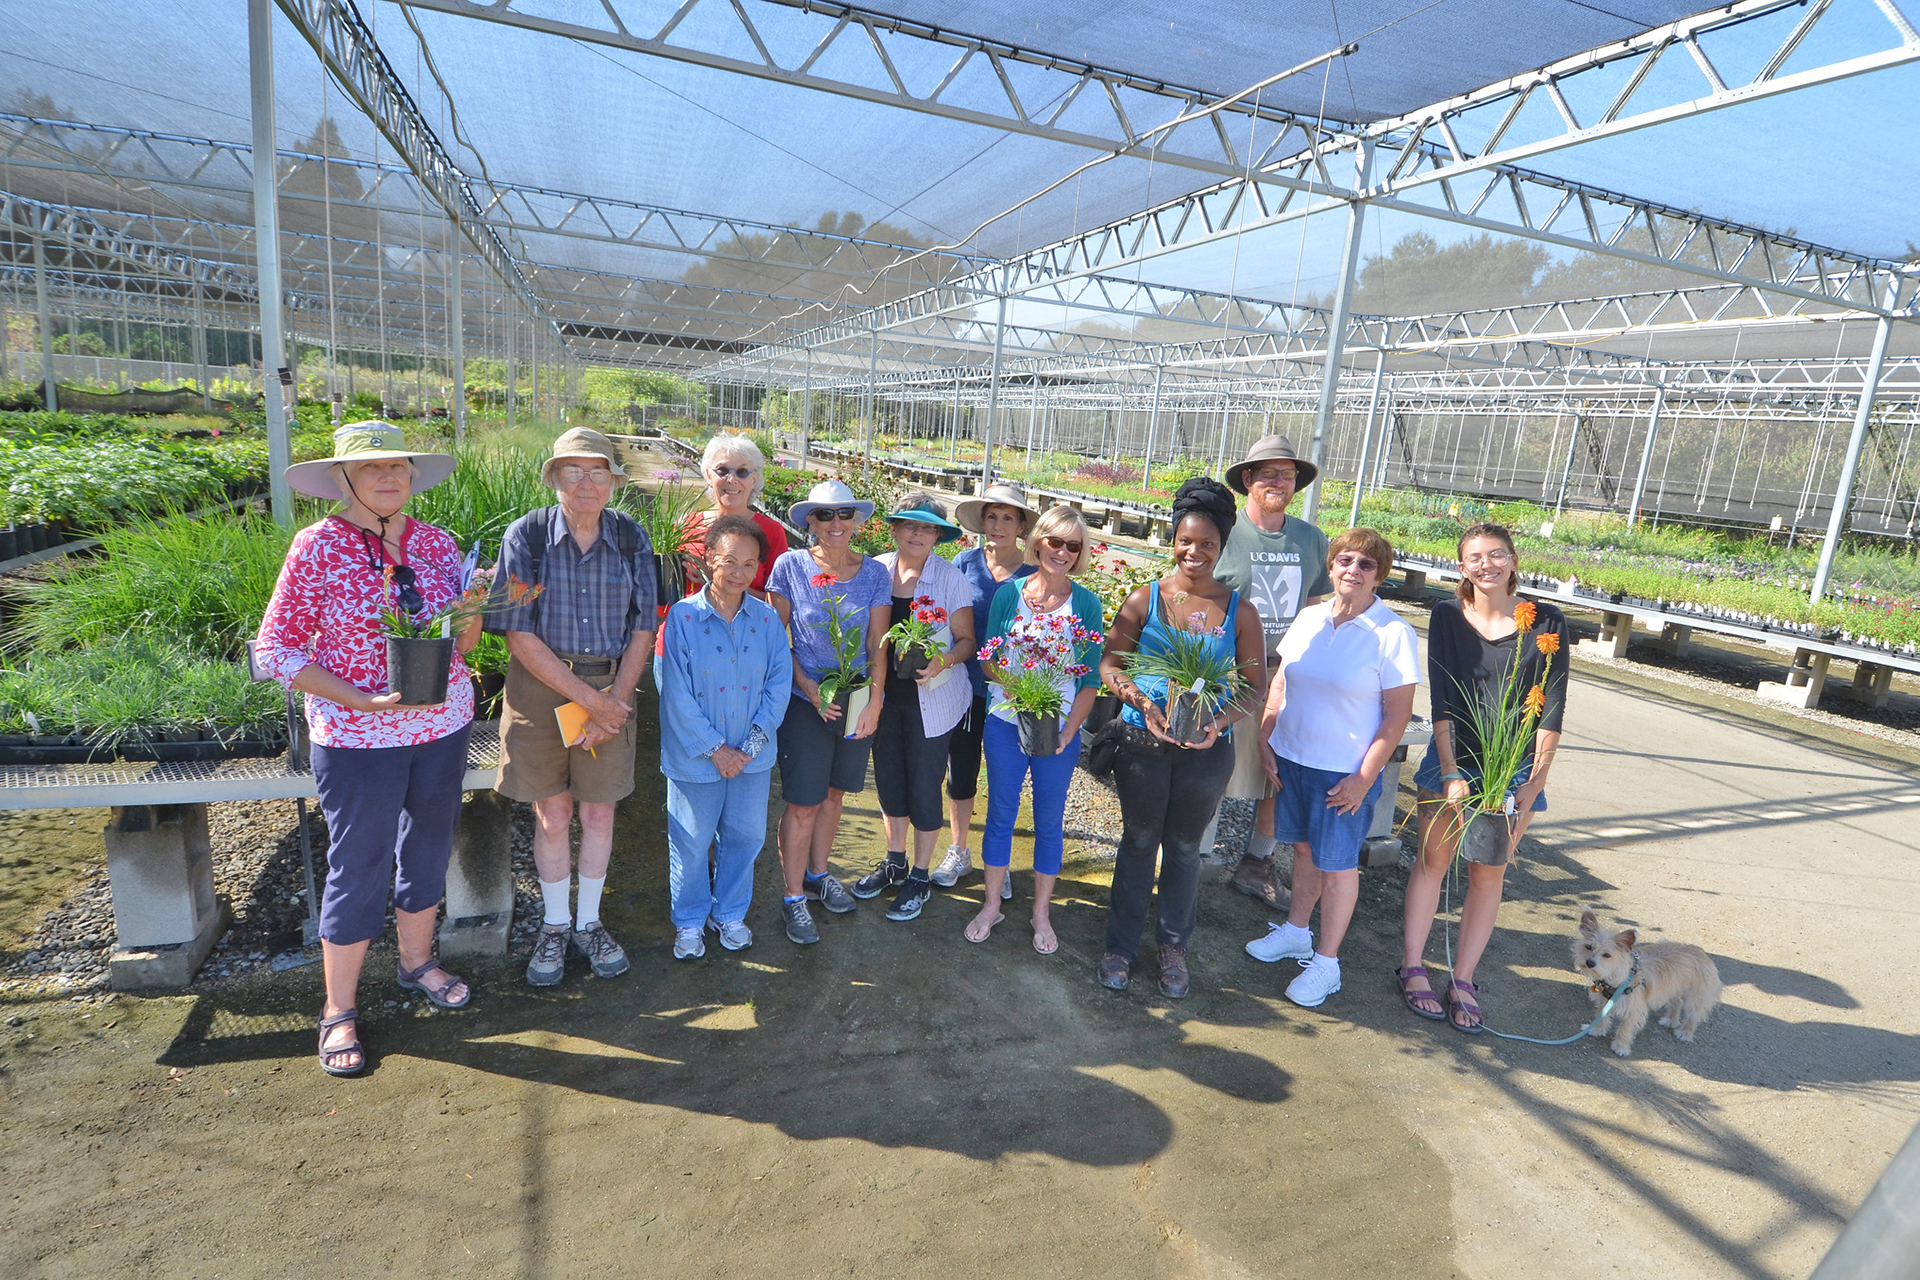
x=1058, y=547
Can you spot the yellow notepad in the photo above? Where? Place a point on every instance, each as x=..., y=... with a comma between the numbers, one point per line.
x=573, y=725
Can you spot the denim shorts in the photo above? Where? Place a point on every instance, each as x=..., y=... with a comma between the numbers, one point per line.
x=1300, y=814
x=1427, y=778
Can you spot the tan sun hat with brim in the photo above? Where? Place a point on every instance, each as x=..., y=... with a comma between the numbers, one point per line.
x=1271, y=449
x=369, y=441
x=578, y=444
x=999, y=494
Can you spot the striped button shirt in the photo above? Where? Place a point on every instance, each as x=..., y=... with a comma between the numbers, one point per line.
x=591, y=603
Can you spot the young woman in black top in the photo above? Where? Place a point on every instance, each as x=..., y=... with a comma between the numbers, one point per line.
x=1472, y=645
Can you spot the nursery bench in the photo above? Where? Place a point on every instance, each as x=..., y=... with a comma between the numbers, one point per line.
x=165, y=915
x=1806, y=676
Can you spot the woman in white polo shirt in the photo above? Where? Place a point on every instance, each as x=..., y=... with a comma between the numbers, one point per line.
x=1335, y=711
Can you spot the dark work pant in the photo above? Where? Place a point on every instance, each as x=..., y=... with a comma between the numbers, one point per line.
x=1167, y=798
x=908, y=765
x=390, y=817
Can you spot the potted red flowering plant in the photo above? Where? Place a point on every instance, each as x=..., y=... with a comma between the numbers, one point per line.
x=846, y=639
x=420, y=640
x=1505, y=731
x=918, y=638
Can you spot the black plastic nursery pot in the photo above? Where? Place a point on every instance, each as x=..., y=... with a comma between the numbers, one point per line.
x=909, y=664
x=1039, y=735
x=1185, y=723
x=50, y=748
x=417, y=669
x=1106, y=708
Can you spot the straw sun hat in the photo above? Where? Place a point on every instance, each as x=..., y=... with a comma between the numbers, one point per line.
x=369, y=441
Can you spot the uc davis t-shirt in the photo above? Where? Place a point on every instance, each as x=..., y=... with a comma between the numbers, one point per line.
x=1277, y=572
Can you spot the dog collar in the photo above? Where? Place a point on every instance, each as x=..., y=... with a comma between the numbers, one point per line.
x=1606, y=992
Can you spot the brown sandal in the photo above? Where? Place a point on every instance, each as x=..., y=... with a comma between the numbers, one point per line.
x=1439, y=1011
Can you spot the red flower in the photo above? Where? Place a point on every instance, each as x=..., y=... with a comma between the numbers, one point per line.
x=923, y=601
x=924, y=615
x=822, y=579
x=939, y=614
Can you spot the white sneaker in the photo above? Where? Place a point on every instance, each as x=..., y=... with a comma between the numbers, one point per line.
x=957, y=862
x=688, y=944
x=1282, y=942
x=734, y=934
x=1318, y=980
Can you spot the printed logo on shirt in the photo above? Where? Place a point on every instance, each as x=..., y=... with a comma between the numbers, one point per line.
x=1275, y=590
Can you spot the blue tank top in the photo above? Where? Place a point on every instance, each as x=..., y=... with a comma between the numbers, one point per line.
x=1157, y=637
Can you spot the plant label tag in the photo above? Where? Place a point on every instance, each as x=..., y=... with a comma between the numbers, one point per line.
x=856, y=707
x=940, y=679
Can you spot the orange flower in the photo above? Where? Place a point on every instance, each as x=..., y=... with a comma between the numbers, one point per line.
x=1536, y=700
x=1523, y=614
x=1548, y=642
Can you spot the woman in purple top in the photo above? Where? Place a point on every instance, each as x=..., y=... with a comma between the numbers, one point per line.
x=820, y=758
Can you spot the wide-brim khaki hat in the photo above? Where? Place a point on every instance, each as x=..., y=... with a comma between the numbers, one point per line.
x=583, y=442
x=1271, y=449
x=999, y=494
x=369, y=441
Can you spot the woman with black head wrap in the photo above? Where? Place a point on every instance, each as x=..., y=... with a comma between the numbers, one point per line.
x=1168, y=789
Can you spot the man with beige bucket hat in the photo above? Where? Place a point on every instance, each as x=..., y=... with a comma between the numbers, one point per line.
x=583, y=638
x=1278, y=563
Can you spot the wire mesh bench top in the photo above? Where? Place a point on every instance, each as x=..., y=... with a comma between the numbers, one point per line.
x=126, y=782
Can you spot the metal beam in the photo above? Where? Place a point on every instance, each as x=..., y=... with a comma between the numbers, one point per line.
x=51, y=394
x=1843, y=491
x=266, y=221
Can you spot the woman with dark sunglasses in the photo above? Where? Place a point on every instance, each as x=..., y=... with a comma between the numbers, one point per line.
x=826, y=587
x=1335, y=712
x=389, y=776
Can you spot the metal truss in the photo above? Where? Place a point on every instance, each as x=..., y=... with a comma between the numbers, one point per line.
x=84, y=232
x=348, y=51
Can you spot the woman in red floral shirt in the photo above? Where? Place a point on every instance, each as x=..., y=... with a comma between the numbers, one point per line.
x=389, y=776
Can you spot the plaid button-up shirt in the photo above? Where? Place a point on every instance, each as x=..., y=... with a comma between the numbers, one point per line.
x=591, y=604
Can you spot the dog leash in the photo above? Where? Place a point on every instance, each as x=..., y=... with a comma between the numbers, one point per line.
x=1446, y=932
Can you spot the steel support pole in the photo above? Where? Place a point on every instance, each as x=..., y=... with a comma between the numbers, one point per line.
x=457, y=342
x=1882, y=1239
x=953, y=427
x=1336, y=337
x=1843, y=492
x=1366, y=438
x=993, y=393
x=1220, y=454
x=1153, y=427
x=512, y=328
x=866, y=400
x=1646, y=453
x=1566, y=468
x=1033, y=418
x=200, y=345
x=266, y=239
x=5, y=341
x=52, y=392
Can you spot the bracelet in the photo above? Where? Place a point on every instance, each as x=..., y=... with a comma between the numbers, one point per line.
x=1454, y=775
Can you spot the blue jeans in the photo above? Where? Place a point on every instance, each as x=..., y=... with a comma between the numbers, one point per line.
x=1007, y=769
x=730, y=816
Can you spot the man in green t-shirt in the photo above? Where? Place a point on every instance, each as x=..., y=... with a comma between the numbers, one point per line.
x=1279, y=563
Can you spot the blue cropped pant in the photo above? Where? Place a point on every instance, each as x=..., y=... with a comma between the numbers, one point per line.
x=730, y=817
x=1007, y=770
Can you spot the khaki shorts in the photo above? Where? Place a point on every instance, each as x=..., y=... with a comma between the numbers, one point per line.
x=1249, y=781
x=535, y=765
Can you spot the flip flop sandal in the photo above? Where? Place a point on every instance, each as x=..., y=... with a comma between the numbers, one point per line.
x=1462, y=1004
x=1052, y=946
x=1438, y=1014
x=351, y=1046
x=409, y=979
x=983, y=937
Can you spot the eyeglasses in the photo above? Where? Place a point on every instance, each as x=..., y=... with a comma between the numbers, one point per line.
x=1061, y=544
x=405, y=581
x=1487, y=557
x=1348, y=560
x=827, y=515
x=738, y=473
x=1271, y=475
x=574, y=475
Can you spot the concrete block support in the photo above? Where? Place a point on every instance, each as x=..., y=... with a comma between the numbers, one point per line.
x=1416, y=579
x=165, y=915
x=479, y=910
x=1675, y=638
x=1615, y=629
x=1872, y=683
x=1806, y=680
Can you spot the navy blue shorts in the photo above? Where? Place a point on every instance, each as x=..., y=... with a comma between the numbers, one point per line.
x=1427, y=778
x=1301, y=815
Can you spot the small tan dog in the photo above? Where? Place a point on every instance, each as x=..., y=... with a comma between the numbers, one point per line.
x=1675, y=978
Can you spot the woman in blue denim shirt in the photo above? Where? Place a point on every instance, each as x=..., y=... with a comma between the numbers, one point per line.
x=724, y=682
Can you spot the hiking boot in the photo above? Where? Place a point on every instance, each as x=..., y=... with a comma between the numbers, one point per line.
x=549, y=962
x=913, y=895
x=1174, y=980
x=884, y=876
x=601, y=951
x=831, y=894
x=1115, y=971
x=801, y=930
x=734, y=934
x=1255, y=878
x=689, y=943
x=955, y=863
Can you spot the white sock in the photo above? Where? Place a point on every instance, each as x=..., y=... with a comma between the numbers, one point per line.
x=1259, y=847
x=1292, y=930
x=1324, y=962
x=589, y=909
x=554, y=894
